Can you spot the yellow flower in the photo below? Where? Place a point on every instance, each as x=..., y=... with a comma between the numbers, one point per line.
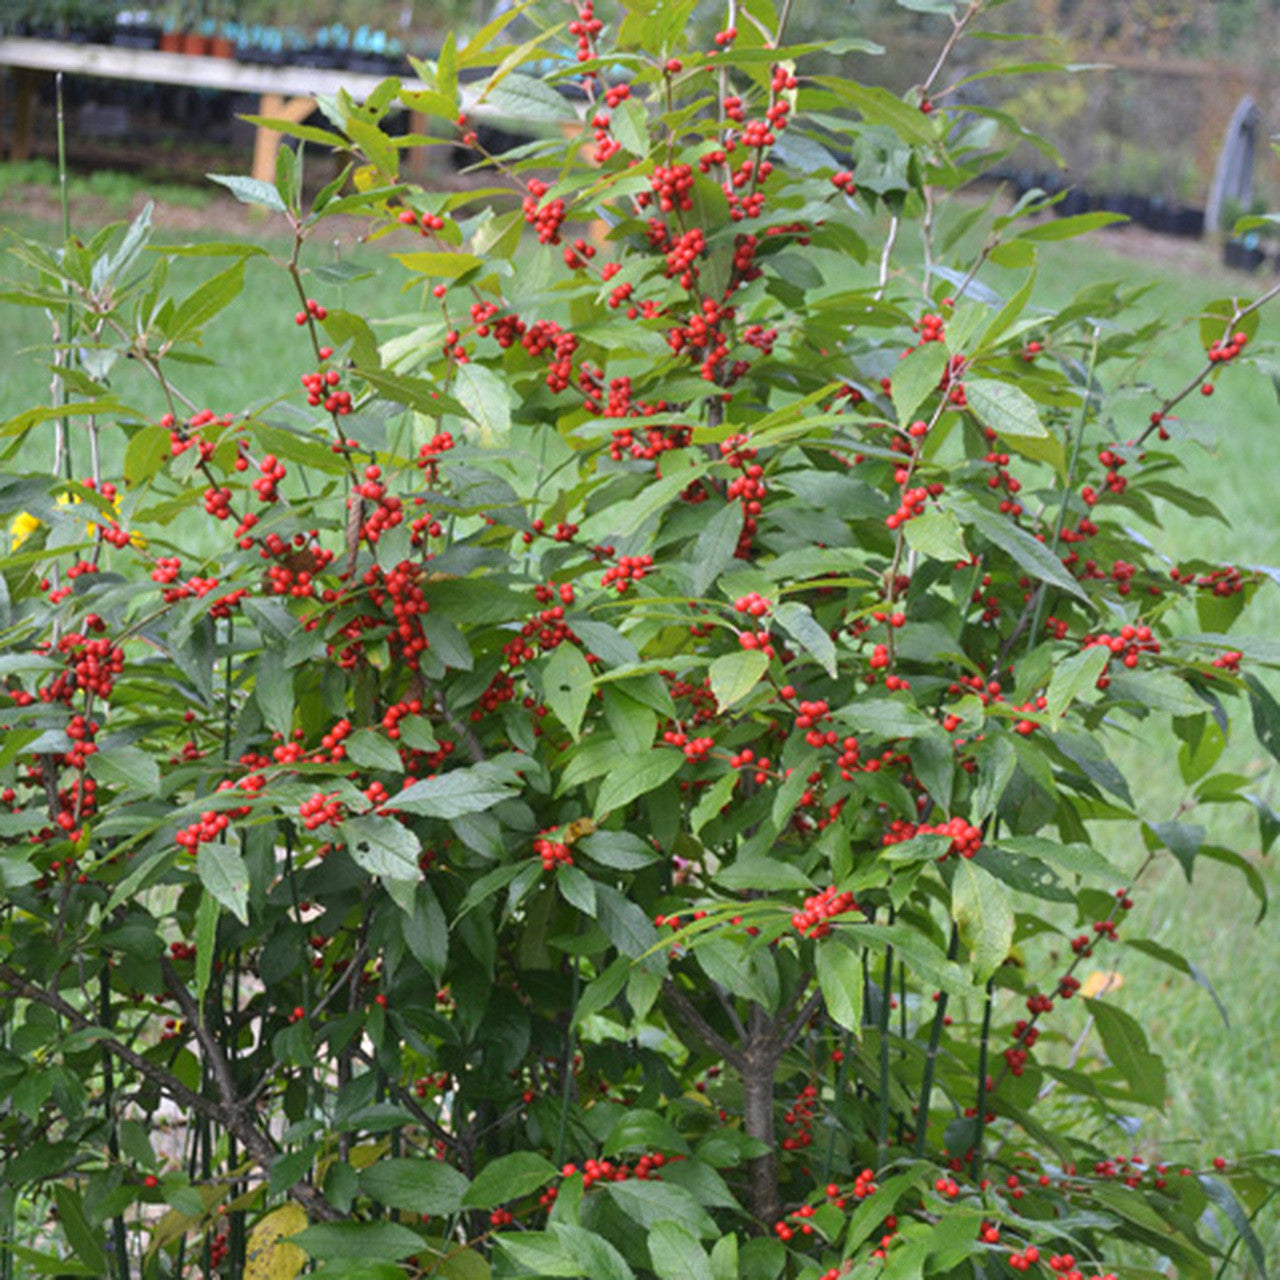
x=24, y=524
x=21, y=528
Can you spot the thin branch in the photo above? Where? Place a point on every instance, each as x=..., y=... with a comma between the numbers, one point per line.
x=464, y=731
x=702, y=1028
x=171, y=1085
x=886, y=253
x=727, y=1005
x=230, y=1118
x=214, y=1058
x=413, y=1106
x=957, y=30
x=786, y=1038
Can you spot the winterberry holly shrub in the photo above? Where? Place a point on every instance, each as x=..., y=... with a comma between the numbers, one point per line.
x=609, y=772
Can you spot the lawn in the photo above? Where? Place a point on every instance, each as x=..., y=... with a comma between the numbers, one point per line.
x=1225, y=1080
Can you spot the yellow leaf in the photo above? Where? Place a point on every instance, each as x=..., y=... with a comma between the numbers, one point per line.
x=1098, y=982
x=269, y=1255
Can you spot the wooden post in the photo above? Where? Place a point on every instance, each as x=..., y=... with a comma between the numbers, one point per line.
x=24, y=86
x=266, y=143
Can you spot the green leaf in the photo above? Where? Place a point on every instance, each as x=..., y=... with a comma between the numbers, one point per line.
x=915, y=378
x=383, y=847
x=798, y=622
x=207, y=914
x=1165, y=955
x=677, y=1254
x=199, y=307
x=567, y=686
x=648, y=1203
x=985, y=918
x=426, y=931
x=416, y=1186
x=596, y=1257
x=621, y=850
x=456, y=793
x=734, y=675
x=1126, y=1046
x=624, y=924
x=440, y=265
x=463, y=1264
x=273, y=690
x=524, y=98
x=1065, y=228
x=841, y=980
x=1026, y=551
x=508, y=1178
x=1009, y=313
x=1073, y=676
x=1217, y=317
x=1266, y=714
x=126, y=768
x=1222, y=1195
x=359, y=1241
x=713, y=552
x=487, y=401
x=632, y=777
x=724, y=1258
x=1252, y=877
x=577, y=889
x=250, y=190
x=538, y=1253
x=308, y=132
x=80, y=1233
x=1007, y=409
x=936, y=533
x=633, y=724
x=223, y=873
x=713, y=801
x=1182, y=839
x=358, y=1271
x=602, y=990
x=762, y=873
x=879, y=106
x=1087, y=752
x=629, y=124
x=371, y=750
x=885, y=717
x=1079, y=859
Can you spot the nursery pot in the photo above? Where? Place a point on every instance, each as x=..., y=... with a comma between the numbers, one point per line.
x=194, y=45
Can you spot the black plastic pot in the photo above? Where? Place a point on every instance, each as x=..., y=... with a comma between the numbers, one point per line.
x=1073, y=203
x=136, y=38
x=1189, y=222
x=1242, y=257
x=321, y=59
x=369, y=64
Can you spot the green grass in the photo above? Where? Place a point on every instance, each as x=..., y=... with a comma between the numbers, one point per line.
x=1225, y=1079
x=112, y=187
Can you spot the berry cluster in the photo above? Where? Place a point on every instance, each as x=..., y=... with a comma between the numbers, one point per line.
x=814, y=921
x=546, y=219
x=629, y=569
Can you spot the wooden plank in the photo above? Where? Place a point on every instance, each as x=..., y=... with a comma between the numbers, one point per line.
x=294, y=87
x=225, y=74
